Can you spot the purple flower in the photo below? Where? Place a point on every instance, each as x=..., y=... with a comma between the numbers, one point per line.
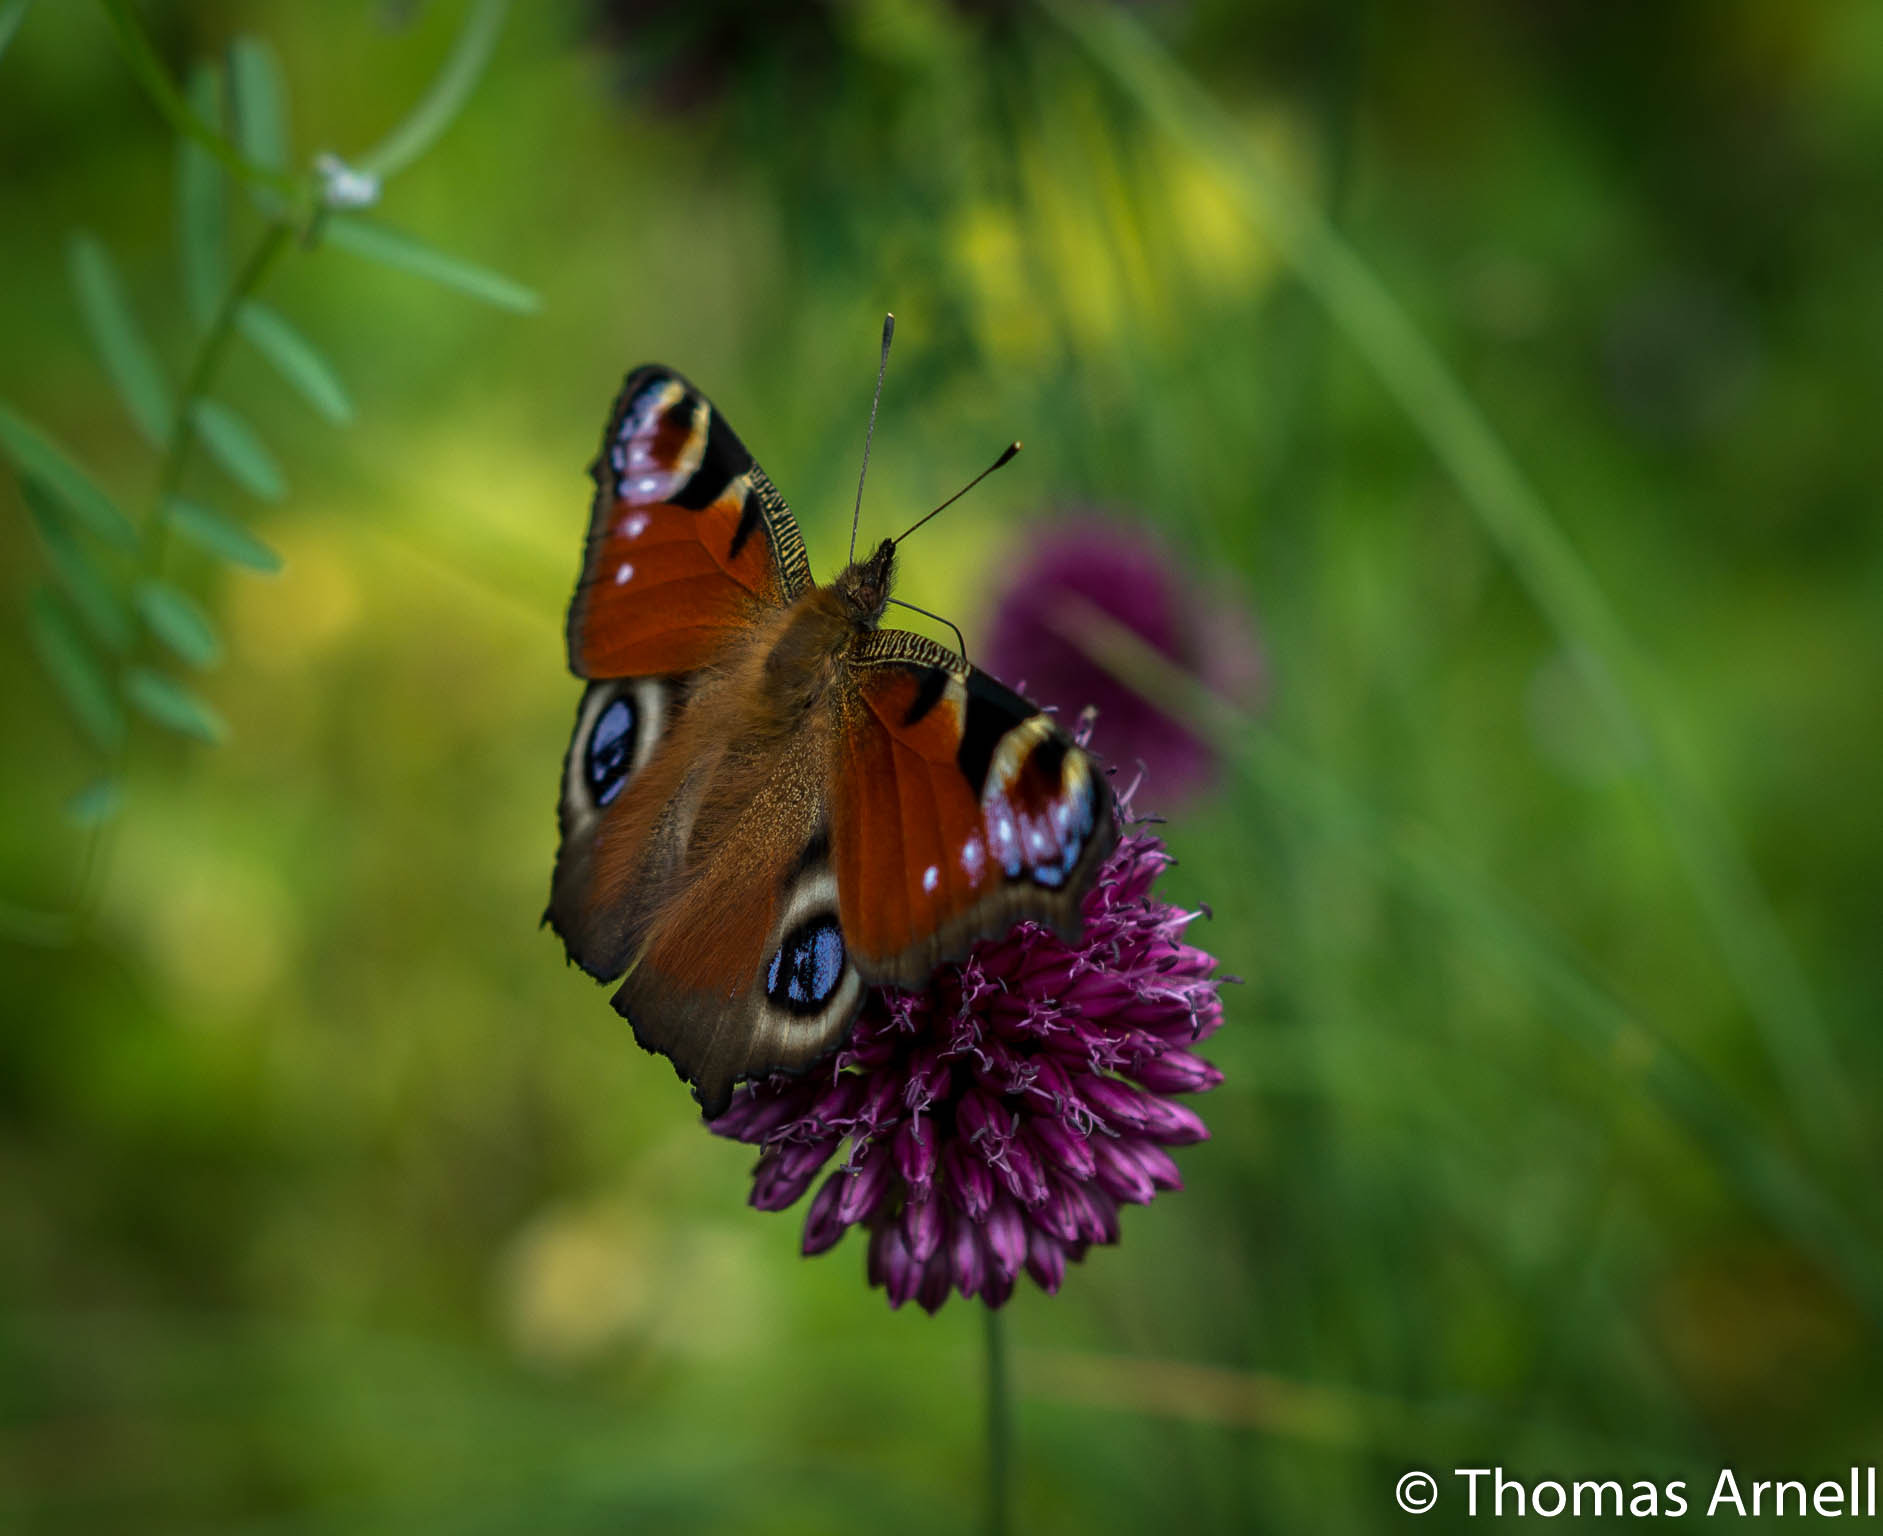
x=1125, y=572
x=998, y=1118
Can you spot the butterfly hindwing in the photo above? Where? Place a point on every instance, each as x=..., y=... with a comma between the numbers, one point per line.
x=618, y=793
x=687, y=542
x=745, y=970
x=959, y=809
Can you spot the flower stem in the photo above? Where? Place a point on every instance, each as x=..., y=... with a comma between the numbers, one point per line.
x=999, y=1427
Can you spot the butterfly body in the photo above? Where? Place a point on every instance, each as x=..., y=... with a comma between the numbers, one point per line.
x=770, y=802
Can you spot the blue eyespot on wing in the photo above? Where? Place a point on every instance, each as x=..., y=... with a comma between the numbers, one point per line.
x=807, y=967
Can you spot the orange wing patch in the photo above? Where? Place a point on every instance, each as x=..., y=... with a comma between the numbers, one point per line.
x=945, y=783
x=688, y=541
x=666, y=587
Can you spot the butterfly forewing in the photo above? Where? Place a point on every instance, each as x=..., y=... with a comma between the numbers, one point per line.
x=959, y=808
x=688, y=540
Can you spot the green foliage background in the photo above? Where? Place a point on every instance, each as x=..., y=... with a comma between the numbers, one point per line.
x=1514, y=364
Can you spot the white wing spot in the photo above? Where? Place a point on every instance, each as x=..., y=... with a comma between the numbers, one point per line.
x=624, y=573
x=972, y=858
x=931, y=877
x=634, y=525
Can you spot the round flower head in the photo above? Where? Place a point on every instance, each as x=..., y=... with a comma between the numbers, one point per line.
x=997, y=1118
x=1129, y=576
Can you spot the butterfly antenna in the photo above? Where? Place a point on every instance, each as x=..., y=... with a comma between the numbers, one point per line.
x=882, y=367
x=1005, y=454
x=959, y=639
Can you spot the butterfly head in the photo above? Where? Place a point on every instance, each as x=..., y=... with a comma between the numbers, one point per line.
x=863, y=587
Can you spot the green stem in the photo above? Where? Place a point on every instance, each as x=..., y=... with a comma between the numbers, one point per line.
x=1756, y=952
x=210, y=352
x=476, y=41
x=999, y=1428
x=176, y=110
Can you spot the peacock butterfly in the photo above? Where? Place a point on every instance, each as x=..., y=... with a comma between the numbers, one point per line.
x=770, y=802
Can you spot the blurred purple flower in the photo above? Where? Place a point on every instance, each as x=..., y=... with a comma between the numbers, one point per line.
x=1128, y=574
x=997, y=1118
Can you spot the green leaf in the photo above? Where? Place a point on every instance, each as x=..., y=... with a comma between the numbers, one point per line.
x=260, y=102
x=95, y=804
x=200, y=214
x=393, y=249
x=220, y=536
x=178, y=620
x=154, y=76
x=173, y=706
x=87, y=586
x=12, y=13
x=295, y=360
x=423, y=125
x=233, y=444
x=128, y=359
x=75, y=672
x=39, y=458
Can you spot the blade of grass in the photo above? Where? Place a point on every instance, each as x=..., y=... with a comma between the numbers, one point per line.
x=391, y=248
x=1314, y=1413
x=122, y=348
x=12, y=13
x=200, y=211
x=439, y=106
x=1638, y=1054
x=37, y=457
x=233, y=444
x=220, y=536
x=1757, y=954
x=296, y=360
x=41, y=930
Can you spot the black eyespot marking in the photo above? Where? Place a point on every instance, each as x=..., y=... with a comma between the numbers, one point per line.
x=679, y=417
x=816, y=852
x=723, y=460
x=1047, y=760
x=804, y=974
x=1043, y=811
x=993, y=710
x=748, y=525
x=610, y=751
x=927, y=694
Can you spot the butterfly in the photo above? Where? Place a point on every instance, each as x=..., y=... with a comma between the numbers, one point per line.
x=770, y=803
